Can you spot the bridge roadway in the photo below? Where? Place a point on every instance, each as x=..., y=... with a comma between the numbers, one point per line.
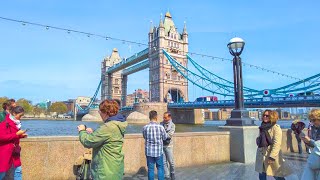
x=302, y=101
x=140, y=56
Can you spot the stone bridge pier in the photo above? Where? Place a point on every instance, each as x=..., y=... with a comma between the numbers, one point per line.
x=179, y=116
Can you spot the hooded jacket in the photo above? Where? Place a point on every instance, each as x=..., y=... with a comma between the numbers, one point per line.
x=107, y=142
x=9, y=143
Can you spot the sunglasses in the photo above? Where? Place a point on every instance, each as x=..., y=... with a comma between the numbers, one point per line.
x=266, y=116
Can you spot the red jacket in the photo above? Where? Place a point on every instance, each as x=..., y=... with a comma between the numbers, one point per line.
x=9, y=145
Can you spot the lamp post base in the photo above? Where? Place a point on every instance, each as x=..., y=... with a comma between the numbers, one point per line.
x=240, y=118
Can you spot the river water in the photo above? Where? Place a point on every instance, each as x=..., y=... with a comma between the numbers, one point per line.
x=69, y=128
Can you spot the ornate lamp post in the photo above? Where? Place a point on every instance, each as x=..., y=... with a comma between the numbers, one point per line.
x=239, y=116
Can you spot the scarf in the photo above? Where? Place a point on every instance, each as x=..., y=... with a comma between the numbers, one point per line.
x=16, y=122
x=264, y=139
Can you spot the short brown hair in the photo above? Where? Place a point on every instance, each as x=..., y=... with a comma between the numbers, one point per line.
x=7, y=105
x=109, y=107
x=314, y=114
x=273, y=115
x=153, y=114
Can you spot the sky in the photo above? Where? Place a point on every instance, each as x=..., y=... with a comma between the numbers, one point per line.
x=39, y=64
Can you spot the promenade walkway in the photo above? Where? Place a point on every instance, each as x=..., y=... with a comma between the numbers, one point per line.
x=229, y=171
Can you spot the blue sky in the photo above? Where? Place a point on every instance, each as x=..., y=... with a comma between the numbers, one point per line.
x=41, y=64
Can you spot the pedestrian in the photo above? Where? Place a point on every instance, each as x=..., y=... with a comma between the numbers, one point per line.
x=7, y=106
x=312, y=169
x=107, y=142
x=269, y=160
x=154, y=135
x=10, y=135
x=168, y=158
x=297, y=126
x=309, y=134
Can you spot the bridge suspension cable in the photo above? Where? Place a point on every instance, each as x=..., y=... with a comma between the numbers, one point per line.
x=224, y=87
x=92, y=99
x=90, y=34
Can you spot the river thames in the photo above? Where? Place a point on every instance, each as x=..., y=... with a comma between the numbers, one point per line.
x=69, y=128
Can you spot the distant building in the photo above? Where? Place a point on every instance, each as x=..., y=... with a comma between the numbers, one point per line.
x=283, y=114
x=140, y=95
x=83, y=100
x=221, y=114
x=254, y=115
x=44, y=105
x=70, y=105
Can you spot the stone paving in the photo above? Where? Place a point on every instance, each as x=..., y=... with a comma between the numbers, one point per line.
x=229, y=171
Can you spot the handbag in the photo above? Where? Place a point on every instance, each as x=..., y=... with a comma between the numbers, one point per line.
x=16, y=150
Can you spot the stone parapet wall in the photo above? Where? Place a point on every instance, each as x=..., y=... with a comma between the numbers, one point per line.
x=145, y=108
x=53, y=157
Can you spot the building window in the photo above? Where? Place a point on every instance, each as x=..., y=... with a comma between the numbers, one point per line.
x=174, y=75
x=175, y=36
x=116, y=81
x=116, y=90
x=168, y=43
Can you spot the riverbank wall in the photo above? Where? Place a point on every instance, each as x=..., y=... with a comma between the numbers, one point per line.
x=54, y=157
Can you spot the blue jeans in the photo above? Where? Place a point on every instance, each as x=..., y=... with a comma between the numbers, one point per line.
x=2, y=174
x=311, y=170
x=263, y=176
x=168, y=161
x=17, y=173
x=159, y=163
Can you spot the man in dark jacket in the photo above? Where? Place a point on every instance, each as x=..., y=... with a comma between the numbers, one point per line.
x=297, y=127
x=7, y=106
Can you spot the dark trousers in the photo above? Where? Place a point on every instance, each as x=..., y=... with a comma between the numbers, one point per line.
x=299, y=143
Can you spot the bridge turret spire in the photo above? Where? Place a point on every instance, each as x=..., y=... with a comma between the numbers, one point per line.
x=151, y=27
x=161, y=22
x=185, y=28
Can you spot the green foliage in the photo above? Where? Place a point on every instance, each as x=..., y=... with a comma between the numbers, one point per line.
x=28, y=108
x=37, y=111
x=58, y=107
x=2, y=100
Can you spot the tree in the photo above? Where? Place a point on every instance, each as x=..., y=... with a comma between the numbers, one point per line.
x=58, y=107
x=26, y=105
x=37, y=111
x=2, y=100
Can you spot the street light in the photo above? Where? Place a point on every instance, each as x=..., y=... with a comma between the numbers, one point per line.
x=239, y=116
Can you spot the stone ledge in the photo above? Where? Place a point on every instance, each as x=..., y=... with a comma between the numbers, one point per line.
x=127, y=136
x=238, y=127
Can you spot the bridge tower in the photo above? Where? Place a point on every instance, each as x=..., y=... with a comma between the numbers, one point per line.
x=166, y=84
x=111, y=83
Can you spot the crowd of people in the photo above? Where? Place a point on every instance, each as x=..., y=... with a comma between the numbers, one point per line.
x=107, y=144
x=269, y=158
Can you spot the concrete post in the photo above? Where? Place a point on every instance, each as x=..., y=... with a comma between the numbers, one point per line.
x=243, y=146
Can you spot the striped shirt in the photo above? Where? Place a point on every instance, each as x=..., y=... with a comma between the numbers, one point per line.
x=154, y=135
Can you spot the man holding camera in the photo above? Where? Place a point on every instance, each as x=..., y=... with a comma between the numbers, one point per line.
x=170, y=127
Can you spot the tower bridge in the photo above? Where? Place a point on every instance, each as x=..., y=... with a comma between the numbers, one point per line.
x=167, y=59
